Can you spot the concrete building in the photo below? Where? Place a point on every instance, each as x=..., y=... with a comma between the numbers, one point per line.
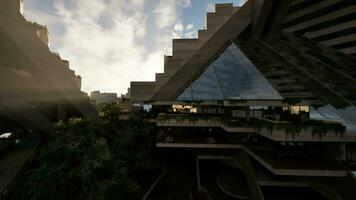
x=36, y=87
x=267, y=88
x=42, y=32
x=76, y=78
x=101, y=98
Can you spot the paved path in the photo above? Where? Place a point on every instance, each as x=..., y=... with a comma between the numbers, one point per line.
x=12, y=161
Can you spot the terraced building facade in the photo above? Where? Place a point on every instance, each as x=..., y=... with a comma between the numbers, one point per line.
x=37, y=87
x=270, y=88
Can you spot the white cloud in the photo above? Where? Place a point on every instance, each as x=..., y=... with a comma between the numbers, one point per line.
x=181, y=31
x=178, y=27
x=190, y=26
x=184, y=3
x=166, y=14
x=105, y=45
x=210, y=7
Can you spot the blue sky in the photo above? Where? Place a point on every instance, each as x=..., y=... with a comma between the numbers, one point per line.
x=112, y=42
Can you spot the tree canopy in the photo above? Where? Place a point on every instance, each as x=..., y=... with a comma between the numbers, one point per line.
x=109, y=159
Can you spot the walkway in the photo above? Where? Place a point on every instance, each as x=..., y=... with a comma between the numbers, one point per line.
x=12, y=161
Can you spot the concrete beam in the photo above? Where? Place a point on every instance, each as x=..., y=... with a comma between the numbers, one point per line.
x=276, y=19
x=311, y=9
x=321, y=19
x=329, y=30
x=262, y=10
x=340, y=40
x=295, y=2
x=350, y=50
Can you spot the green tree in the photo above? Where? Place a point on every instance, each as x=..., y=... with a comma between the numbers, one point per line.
x=86, y=160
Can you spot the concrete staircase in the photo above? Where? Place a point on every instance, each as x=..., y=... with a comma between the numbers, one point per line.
x=184, y=49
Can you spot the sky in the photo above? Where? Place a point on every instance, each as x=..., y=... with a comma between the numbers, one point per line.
x=112, y=42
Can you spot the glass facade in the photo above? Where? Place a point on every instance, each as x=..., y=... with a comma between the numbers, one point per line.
x=345, y=116
x=231, y=77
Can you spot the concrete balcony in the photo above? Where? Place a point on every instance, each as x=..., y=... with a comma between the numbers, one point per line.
x=323, y=132
x=178, y=121
x=309, y=131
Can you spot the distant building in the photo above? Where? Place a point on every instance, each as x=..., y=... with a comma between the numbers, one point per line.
x=268, y=87
x=128, y=94
x=124, y=103
x=100, y=98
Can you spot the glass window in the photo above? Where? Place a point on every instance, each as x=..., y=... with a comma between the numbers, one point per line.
x=294, y=109
x=231, y=77
x=345, y=116
x=304, y=108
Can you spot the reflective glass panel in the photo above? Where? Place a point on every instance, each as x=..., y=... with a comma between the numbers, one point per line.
x=345, y=116
x=231, y=77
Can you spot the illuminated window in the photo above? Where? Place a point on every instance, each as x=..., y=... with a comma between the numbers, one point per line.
x=294, y=109
x=304, y=108
x=298, y=109
x=184, y=108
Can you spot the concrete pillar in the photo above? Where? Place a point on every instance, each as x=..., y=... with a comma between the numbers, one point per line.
x=248, y=115
x=342, y=149
x=198, y=173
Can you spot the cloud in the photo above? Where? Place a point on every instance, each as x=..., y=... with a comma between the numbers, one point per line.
x=210, y=7
x=105, y=45
x=184, y=3
x=181, y=31
x=178, y=27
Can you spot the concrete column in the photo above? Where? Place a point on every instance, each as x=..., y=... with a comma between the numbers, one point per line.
x=342, y=149
x=248, y=115
x=198, y=173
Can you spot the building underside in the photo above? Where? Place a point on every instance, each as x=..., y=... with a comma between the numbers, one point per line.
x=268, y=89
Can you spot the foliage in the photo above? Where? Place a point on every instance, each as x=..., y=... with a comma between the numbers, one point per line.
x=318, y=127
x=83, y=161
